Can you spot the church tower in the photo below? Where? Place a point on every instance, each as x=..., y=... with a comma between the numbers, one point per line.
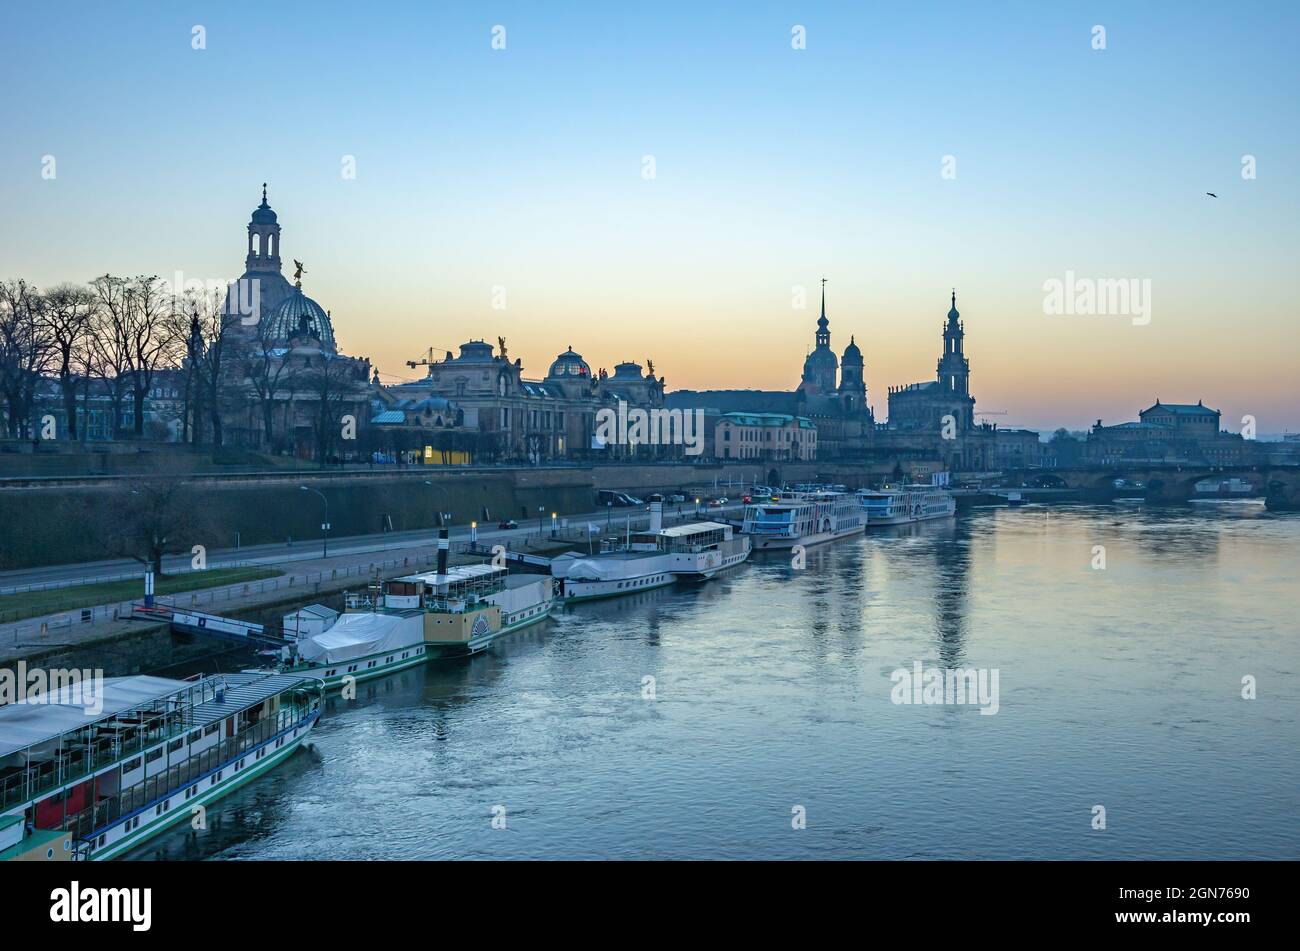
x=820, y=367
x=262, y=288
x=263, y=240
x=954, y=368
x=853, y=388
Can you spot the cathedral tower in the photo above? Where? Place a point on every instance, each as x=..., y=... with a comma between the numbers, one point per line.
x=954, y=368
x=820, y=367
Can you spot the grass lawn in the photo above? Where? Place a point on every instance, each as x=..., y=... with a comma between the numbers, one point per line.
x=15, y=607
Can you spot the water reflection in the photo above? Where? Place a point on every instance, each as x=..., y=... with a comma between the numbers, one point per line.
x=772, y=687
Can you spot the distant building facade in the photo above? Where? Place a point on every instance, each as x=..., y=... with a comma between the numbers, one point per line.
x=831, y=394
x=538, y=420
x=1168, y=433
x=771, y=437
x=937, y=418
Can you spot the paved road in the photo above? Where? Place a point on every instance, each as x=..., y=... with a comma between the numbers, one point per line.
x=307, y=550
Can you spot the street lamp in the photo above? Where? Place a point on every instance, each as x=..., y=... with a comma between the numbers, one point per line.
x=443, y=517
x=325, y=525
x=552, y=524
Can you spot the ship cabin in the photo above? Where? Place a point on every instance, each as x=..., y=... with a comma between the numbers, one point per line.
x=86, y=765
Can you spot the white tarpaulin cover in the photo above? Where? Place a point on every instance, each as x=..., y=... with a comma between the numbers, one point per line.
x=358, y=635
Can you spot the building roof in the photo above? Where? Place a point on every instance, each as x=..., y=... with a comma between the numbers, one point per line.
x=296, y=312
x=1183, y=409
x=765, y=419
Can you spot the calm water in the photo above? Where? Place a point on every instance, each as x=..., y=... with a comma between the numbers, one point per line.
x=1119, y=687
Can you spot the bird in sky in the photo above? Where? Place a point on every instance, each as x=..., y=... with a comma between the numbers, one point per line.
x=1212, y=195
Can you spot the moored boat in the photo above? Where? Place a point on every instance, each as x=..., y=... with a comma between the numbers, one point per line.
x=421, y=617
x=900, y=505
x=802, y=518
x=91, y=774
x=651, y=559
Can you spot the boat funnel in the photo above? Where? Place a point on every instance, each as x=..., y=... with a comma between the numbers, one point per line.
x=656, y=513
x=444, y=545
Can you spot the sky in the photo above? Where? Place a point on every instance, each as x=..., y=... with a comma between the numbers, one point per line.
x=906, y=150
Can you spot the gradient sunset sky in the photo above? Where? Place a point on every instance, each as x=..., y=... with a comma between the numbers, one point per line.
x=522, y=168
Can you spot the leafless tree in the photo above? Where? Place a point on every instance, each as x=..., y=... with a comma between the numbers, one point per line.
x=155, y=515
x=213, y=342
x=271, y=376
x=68, y=313
x=333, y=385
x=137, y=336
x=24, y=352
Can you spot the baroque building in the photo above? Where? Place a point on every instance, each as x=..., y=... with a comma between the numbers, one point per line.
x=832, y=394
x=523, y=419
x=937, y=418
x=285, y=387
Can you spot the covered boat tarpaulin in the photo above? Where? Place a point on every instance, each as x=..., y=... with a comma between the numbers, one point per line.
x=359, y=635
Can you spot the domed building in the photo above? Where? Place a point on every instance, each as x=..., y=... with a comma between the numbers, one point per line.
x=568, y=366
x=300, y=316
x=521, y=419
x=285, y=388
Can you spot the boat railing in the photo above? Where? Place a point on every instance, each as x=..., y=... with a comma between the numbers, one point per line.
x=109, y=809
x=114, y=739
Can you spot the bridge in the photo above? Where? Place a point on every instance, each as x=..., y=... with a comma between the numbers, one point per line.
x=1278, y=485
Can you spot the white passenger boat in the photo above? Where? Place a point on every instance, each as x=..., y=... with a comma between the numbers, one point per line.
x=416, y=618
x=651, y=559
x=89, y=774
x=802, y=518
x=904, y=504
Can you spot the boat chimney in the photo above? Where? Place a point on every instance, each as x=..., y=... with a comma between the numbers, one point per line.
x=444, y=545
x=656, y=513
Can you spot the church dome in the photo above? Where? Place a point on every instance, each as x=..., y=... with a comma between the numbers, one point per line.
x=952, y=313
x=297, y=314
x=627, y=371
x=263, y=215
x=851, y=353
x=569, y=365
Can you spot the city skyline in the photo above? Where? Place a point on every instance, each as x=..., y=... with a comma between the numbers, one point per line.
x=771, y=171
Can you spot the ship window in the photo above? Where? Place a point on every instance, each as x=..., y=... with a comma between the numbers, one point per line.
x=131, y=764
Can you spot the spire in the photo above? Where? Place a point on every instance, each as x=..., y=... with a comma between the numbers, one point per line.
x=822, y=322
x=263, y=193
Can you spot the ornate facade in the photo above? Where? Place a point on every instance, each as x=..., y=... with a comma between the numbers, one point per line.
x=286, y=388
x=937, y=418
x=538, y=420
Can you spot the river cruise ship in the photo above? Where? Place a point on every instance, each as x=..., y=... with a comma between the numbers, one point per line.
x=651, y=559
x=89, y=771
x=451, y=612
x=802, y=518
x=904, y=504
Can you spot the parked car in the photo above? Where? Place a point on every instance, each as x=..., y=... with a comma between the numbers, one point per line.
x=507, y=523
x=675, y=497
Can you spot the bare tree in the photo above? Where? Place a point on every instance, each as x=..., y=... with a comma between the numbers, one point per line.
x=137, y=336
x=68, y=314
x=151, y=343
x=155, y=515
x=212, y=344
x=24, y=352
x=332, y=384
x=110, y=347
x=270, y=376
